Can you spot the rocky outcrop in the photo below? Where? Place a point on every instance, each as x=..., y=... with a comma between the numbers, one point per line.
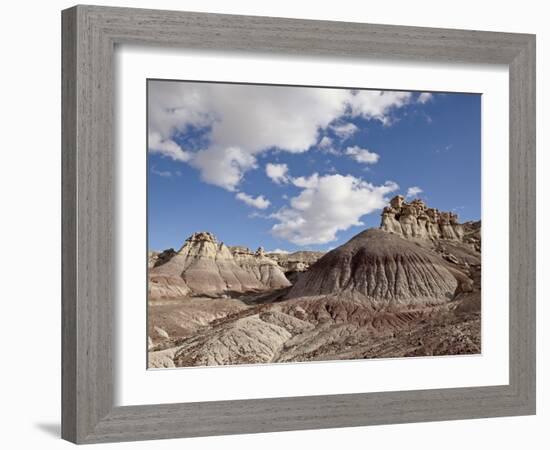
x=472, y=235
x=416, y=220
x=296, y=261
x=164, y=285
x=152, y=258
x=265, y=269
x=295, y=264
x=205, y=267
x=382, y=268
x=243, y=341
x=159, y=258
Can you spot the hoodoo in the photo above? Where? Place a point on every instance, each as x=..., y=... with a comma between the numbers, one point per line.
x=416, y=220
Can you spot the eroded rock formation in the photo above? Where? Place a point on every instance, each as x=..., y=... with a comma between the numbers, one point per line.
x=295, y=264
x=416, y=220
x=296, y=261
x=382, y=268
x=265, y=269
x=152, y=258
x=205, y=267
x=159, y=258
x=379, y=295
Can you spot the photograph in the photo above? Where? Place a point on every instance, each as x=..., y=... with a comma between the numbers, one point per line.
x=296, y=224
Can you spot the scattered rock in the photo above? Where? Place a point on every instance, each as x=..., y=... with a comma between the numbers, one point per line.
x=451, y=258
x=243, y=341
x=162, y=333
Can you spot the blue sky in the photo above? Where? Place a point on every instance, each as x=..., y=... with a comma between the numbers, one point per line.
x=302, y=168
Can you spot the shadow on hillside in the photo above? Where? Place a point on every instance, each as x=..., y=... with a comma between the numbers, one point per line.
x=260, y=298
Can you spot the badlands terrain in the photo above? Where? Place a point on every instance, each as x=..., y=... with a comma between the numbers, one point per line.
x=409, y=288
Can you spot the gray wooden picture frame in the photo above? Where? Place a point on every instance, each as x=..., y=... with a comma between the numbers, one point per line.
x=90, y=34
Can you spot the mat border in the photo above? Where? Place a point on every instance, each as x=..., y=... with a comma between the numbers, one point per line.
x=89, y=36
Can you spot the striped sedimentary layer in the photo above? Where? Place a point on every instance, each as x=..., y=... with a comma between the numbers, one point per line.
x=205, y=267
x=381, y=267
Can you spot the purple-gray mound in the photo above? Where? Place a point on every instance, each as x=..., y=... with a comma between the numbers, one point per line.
x=381, y=267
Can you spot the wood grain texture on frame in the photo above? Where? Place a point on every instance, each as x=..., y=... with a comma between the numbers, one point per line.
x=90, y=34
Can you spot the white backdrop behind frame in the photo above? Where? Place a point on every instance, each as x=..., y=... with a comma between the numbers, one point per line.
x=134, y=384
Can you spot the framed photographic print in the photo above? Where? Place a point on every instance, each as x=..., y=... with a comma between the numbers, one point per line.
x=278, y=224
x=269, y=166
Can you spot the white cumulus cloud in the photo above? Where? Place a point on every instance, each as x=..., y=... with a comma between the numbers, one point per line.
x=346, y=130
x=167, y=147
x=306, y=182
x=223, y=167
x=277, y=172
x=326, y=145
x=362, y=155
x=257, y=202
x=378, y=105
x=328, y=204
x=280, y=251
x=413, y=191
x=239, y=122
x=161, y=173
x=424, y=97
x=325, y=142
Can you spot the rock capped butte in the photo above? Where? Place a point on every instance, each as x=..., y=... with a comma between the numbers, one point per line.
x=403, y=262
x=205, y=267
x=380, y=267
